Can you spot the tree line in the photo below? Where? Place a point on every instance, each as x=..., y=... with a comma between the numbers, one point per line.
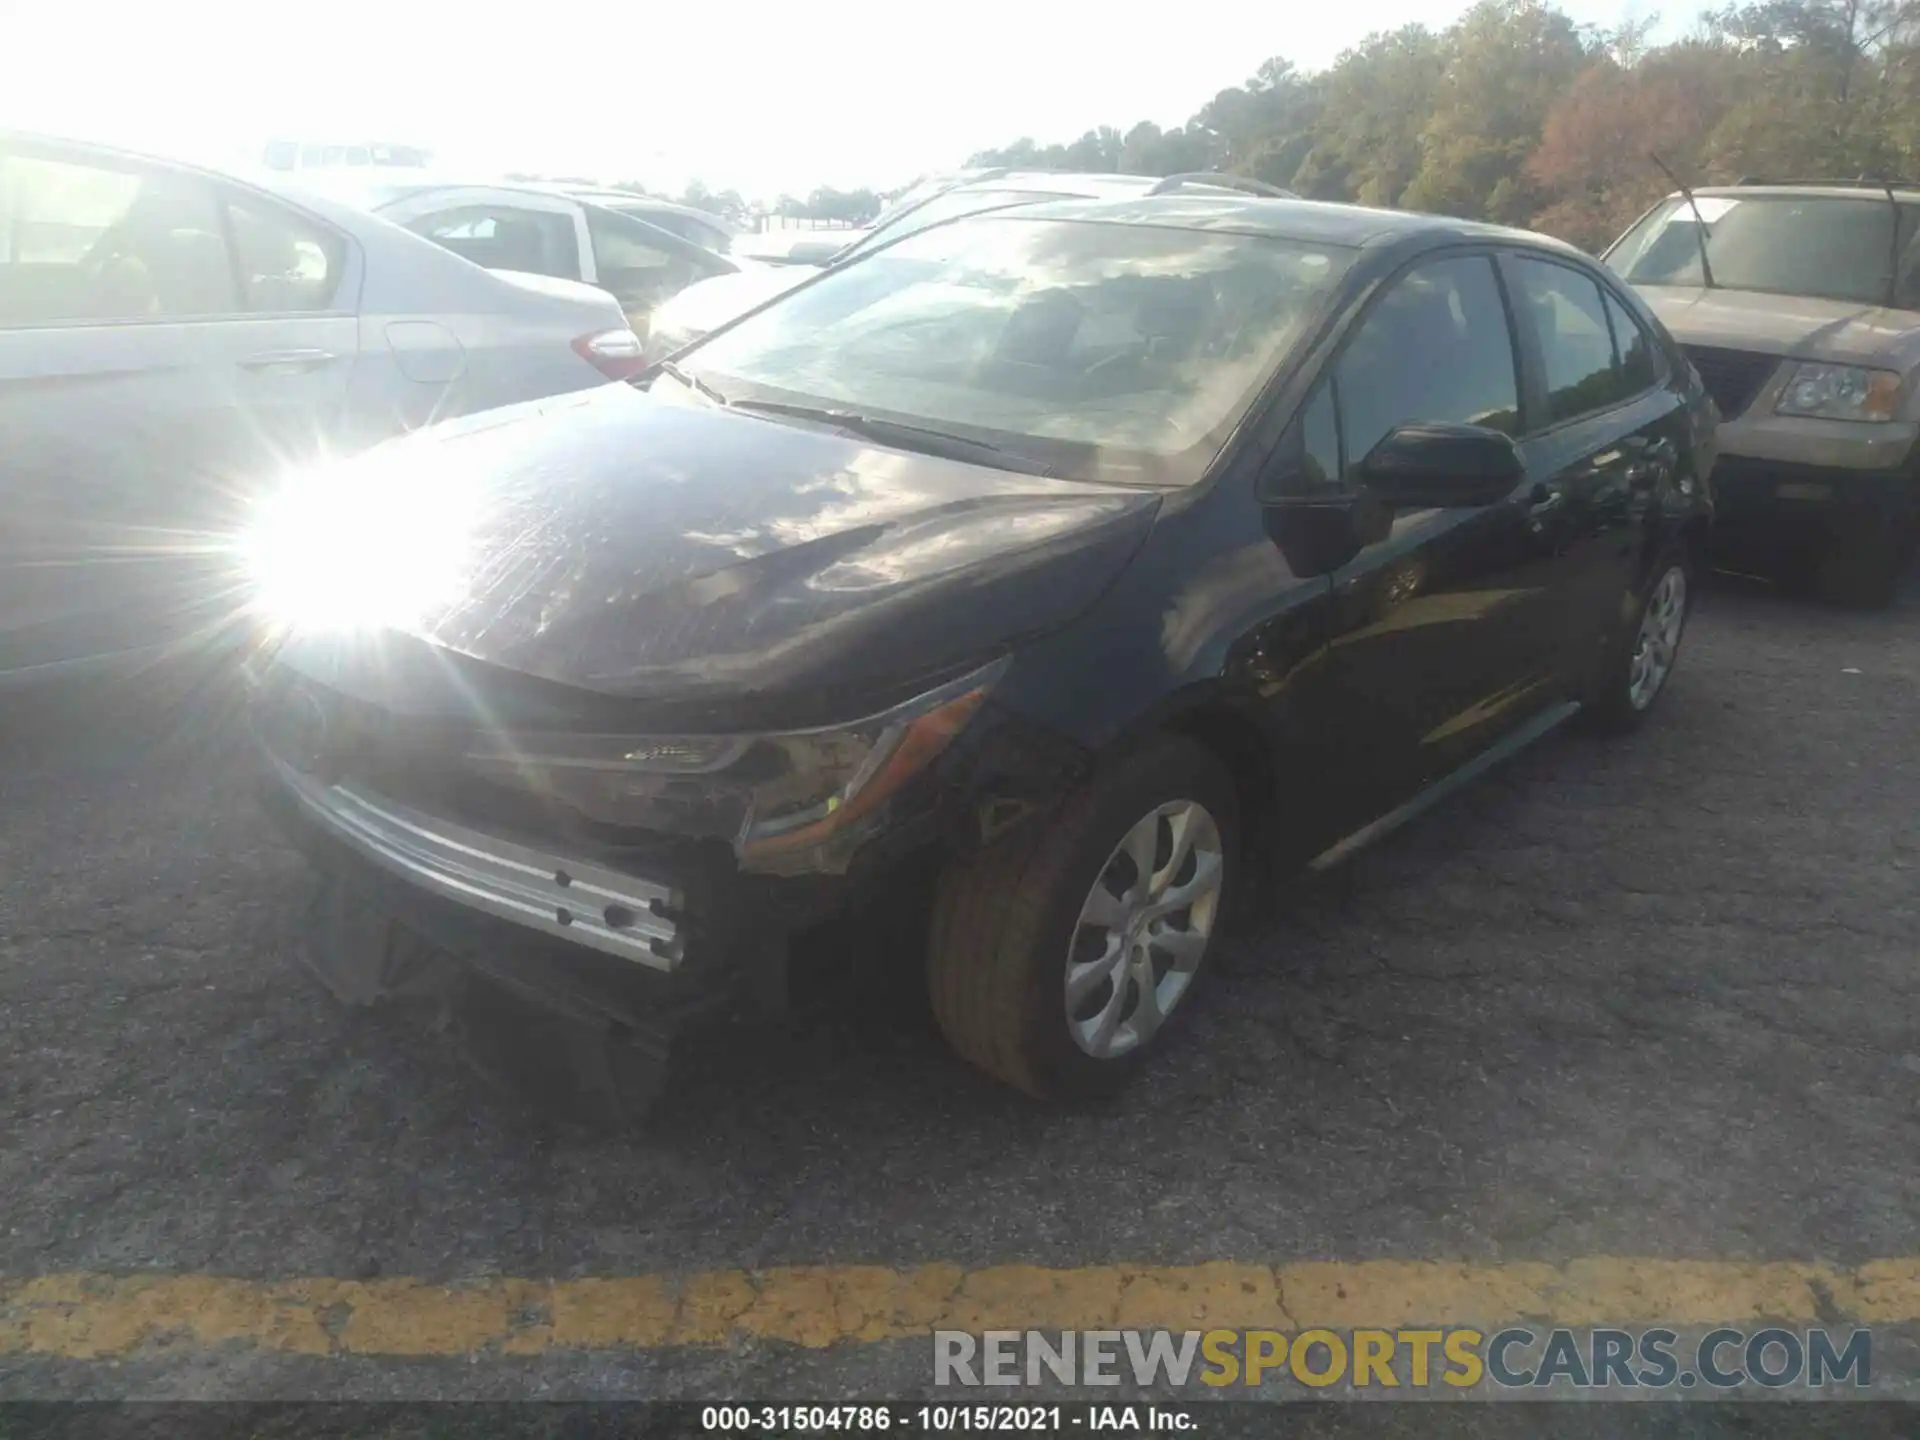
x=1519, y=115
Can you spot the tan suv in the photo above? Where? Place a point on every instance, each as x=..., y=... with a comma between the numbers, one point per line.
x=1799, y=305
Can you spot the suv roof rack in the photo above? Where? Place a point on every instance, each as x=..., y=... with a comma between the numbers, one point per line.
x=1856, y=182
x=1220, y=182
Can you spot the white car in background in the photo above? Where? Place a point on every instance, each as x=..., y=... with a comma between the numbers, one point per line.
x=172, y=339
x=700, y=309
x=541, y=230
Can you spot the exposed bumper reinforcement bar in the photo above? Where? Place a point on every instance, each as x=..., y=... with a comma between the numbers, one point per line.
x=584, y=904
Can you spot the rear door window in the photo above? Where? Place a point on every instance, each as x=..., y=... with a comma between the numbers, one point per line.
x=287, y=264
x=1569, y=318
x=1633, y=348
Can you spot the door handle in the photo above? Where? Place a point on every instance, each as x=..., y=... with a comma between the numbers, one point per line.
x=1542, y=501
x=291, y=360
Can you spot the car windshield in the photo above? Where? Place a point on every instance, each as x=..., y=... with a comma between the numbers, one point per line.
x=1113, y=352
x=1828, y=247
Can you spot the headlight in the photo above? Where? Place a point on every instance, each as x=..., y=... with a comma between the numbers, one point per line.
x=785, y=801
x=1840, y=392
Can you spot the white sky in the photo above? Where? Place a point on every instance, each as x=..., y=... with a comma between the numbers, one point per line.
x=755, y=96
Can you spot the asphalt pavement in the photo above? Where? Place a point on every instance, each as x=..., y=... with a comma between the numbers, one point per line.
x=1634, y=1003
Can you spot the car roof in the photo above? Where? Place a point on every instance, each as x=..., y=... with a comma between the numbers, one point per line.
x=394, y=186
x=280, y=184
x=378, y=193
x=1818, y=189
x=1092, y=184
x=1088, y=183
x=1310, y=220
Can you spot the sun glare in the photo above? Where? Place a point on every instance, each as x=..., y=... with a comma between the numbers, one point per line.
x=359, y=544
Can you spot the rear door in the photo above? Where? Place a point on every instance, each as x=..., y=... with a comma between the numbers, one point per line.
x=166, y=344
x=1603, y=437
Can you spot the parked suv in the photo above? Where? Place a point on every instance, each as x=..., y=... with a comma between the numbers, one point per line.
x=1091, y=557
x=1799, y=304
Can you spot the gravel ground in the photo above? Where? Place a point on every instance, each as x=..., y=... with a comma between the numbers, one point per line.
x=1652, y=997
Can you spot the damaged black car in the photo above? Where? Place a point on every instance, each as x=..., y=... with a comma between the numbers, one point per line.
x=1097, y=559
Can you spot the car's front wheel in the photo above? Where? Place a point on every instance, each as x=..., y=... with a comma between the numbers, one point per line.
x=1058, y=963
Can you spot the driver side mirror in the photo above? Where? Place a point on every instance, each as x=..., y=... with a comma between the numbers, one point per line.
x=1422, y=466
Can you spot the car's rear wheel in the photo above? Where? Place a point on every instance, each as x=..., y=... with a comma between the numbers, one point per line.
x=1637, y=670
x=1059, y=964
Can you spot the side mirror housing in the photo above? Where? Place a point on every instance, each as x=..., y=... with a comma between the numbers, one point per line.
x=1424, y=466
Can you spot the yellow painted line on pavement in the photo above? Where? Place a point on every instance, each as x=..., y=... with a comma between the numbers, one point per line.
x=94, y=1316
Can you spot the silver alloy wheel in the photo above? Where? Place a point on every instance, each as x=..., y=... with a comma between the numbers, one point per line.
x=1144, y=929
x=1658, y=642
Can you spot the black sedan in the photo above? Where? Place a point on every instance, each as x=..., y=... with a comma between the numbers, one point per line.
x=1093, y=559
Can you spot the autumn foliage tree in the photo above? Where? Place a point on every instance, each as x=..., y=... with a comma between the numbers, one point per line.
x=1517, y=114
x=1595, y=156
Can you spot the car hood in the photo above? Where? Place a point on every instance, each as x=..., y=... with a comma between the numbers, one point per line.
x=646, y=550
x=1800, y=326
x=708, y=304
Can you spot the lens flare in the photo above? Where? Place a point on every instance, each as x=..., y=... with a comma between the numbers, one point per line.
x=361, y=544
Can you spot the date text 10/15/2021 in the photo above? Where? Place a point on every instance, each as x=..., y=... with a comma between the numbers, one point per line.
x=909, y=1419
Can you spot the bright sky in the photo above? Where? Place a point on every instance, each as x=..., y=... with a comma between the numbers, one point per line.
x=755, y=96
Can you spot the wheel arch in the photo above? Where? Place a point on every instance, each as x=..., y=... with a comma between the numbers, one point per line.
x=1232, y=727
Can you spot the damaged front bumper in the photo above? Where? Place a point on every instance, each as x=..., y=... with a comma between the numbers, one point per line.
x=614, y=951
x=558, y=895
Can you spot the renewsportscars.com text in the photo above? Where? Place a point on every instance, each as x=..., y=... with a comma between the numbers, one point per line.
x=1510, y=1359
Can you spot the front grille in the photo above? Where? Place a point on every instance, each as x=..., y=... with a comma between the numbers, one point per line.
x=1732, y=377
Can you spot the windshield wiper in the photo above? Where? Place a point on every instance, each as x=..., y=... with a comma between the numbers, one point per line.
x=908, y=436
x=692, y=382
x=1699, y=221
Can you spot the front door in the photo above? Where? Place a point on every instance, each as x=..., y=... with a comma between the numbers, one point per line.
x=1444, y=620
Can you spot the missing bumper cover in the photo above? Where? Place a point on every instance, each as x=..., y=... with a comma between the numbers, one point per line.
x=552, y=894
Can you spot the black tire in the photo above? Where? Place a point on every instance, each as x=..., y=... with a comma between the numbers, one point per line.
x=1612, y=706
x=1863, y=570
x=1006, y=918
